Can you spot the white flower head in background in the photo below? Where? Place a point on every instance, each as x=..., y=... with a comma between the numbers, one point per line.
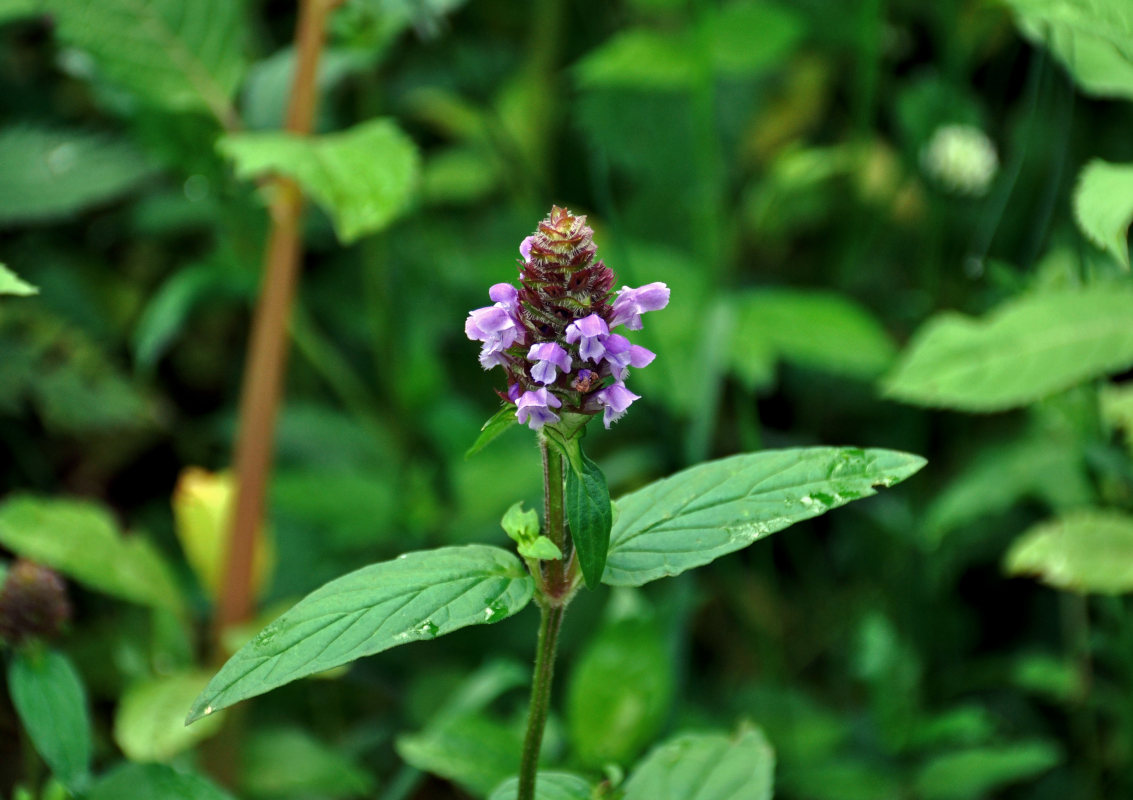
x=961, y=158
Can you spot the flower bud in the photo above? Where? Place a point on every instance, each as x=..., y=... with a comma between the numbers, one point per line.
x=33, y=603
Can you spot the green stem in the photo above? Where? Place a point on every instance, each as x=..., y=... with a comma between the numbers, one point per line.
x=549, y=625
x=554, y=525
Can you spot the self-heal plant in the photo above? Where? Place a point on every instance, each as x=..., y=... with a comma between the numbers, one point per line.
x=556, y=339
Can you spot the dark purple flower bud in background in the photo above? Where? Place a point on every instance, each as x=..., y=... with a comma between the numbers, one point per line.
x=33, y=603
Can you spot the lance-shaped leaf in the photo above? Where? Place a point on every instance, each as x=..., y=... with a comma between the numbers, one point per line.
x=1025, y=350
x=588, y=512
x=1087, y=551
x=416, y=596
x=174, y=54
x=548, y=786
x=363, y=177
x=497, y=425
x=49, y=697
x=1103, y=206
x=706, y=511
x=706, y=766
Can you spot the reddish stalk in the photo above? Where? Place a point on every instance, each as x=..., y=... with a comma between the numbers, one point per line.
x=267, y=351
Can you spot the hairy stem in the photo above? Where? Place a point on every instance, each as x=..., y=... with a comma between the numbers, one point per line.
x=267, y=350
x=549, y=625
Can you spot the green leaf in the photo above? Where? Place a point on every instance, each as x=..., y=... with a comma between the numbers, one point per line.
x=417, y=596
x=589, y=513
x=706, y=766
x=48, y=695
x=81, y=540
x=619, y=693
x=980, y=771
x=520, y=526
x=639, y=58
x=363, y=177
x=48, y=174
x=1103, y=206
x=169, y=308
x=10, y=283
x=472, y=750
x=19, y=9
x=1092, y=38
x=540, y=548
x=746, y=38
x=153, y=781
x=699, y=514
x=172, y=54
x=1025, y=350
x=814, y=329
x=1086, y=551
x=286, y=763
x=499, y=423
x=150, y=722
x=1001, y=474
x=548, y=786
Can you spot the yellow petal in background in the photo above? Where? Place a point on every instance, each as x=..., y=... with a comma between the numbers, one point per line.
x=202, y=505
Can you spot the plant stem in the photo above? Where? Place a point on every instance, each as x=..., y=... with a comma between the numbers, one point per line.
x=267, y=351
x=550, y=623
x=554, y=526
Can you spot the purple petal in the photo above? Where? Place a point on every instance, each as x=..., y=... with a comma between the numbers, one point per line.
x=504, y=293
x=615, y=399
x=630, y=304
x=525, y=248
x=532, y=408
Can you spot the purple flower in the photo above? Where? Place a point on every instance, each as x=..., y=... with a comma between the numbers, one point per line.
x=525, y=248
x=532, y=408
x=615, y=399
x=591, y=331
x=621, y=354
x=549, y=357
x=496, y=326
x=630, y=304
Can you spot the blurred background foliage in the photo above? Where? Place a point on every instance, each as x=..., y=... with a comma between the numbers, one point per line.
x=815, y=181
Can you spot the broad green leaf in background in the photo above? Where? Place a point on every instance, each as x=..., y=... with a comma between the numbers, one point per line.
x=417, y=596
x=815, y=329
x=152, y=781
x=738, y=40
x=1003, y=473
x=704, y=512
x=172, y=54
x=980, y=771
x=10, y=283
x=589, y=513
x=202, y=508
x=473, y=750
x=1103, y=206
x=706, y=766
x=548, y=786
x=168, y=310
x=48, y=174
x=362, y=177
x=81, y=540
x=1085, y=551
x=1092, y=38
x=620, y=691
x=19, y=9
x=1023, y=351
x=49, y=698
x=149, y=724
x=287, y=763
